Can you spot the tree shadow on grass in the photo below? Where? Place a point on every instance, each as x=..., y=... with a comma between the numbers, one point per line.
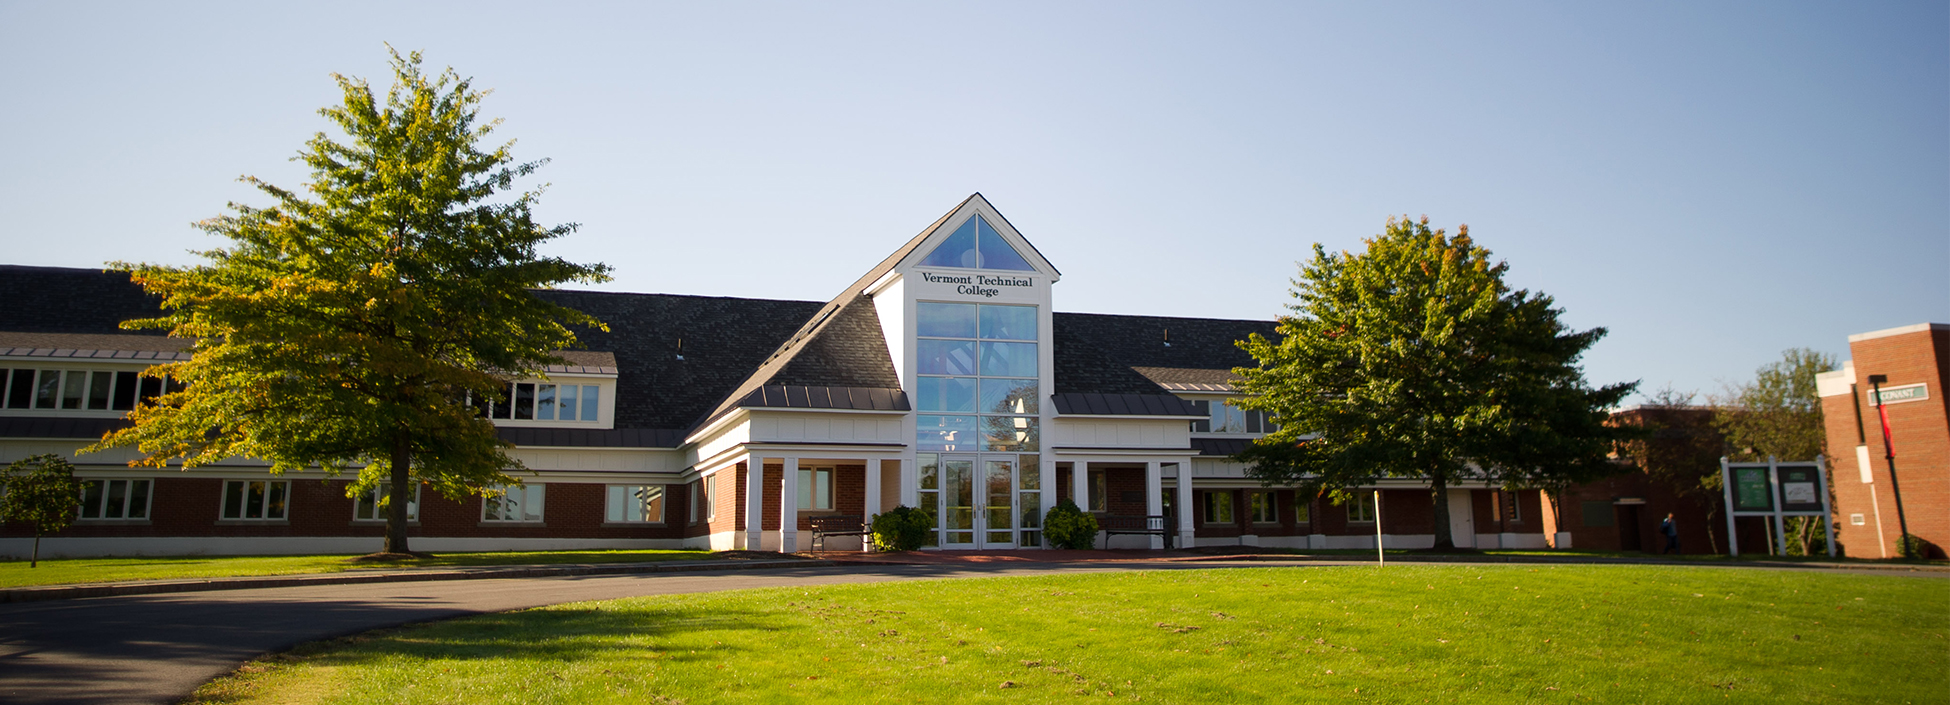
x=559, y=635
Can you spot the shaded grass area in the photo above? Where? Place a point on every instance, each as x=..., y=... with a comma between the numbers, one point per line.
x=1409, y=634
x=1564, y=553
x=104, y=570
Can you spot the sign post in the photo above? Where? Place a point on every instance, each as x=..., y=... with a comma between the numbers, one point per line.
x=1776, y=490
x=1379, y=557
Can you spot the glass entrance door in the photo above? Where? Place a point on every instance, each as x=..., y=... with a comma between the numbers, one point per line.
x=978, y=503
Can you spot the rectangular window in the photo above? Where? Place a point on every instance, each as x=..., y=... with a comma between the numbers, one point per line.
x=635, y=504
x=545, y=402
x=1597, y=514
x=125, y=387
x=1261, y=507
x=591, y=402
x=20, y=389
x=1226, y=418
x=114, y=499
x=524, y=401
x=73, y=388
x=1361, y=510
x=815, y=488
x=513, y=503
x=567, y=397
x=258, y=500
x=711, y=498
x=1099, y=491
x=1503, y=508
x=152, y=387
x=47, y=390
x=1029, y=484
x=369, y=508
x=1011, y=434
x=1303, y=511
x=99, y=383
x=1204, y=407
x=929, y=494
x=1218, y=507
x=945, y=433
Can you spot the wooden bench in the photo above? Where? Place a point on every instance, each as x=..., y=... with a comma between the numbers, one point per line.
x=1156, y=525
x=825, y=525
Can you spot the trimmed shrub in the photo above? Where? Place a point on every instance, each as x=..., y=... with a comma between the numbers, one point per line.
x=902, y=529
x=1066, y=526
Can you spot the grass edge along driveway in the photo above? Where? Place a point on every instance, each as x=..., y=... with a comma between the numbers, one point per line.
x=1490, y=634
x=59, y=571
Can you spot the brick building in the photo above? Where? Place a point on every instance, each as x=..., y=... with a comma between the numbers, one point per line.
x=941, y=379
x=1916, y=361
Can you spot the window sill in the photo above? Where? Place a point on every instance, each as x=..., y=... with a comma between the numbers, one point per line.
x=381, y=522
x=643, y=524
x=489, y=524
x=111, y=522
x=251, y=522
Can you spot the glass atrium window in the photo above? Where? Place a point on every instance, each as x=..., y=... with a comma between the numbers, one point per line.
x=968, y=362
x=976, y=245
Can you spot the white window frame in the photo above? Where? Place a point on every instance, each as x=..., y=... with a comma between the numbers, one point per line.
x=711, y=497
x=1262, y=502
x=613, y=494
x=809, y=487
x=264, y=508
x=696, y=492
x=128, y=499
x=525, y=496
x=370, y=498
x=1362, y=509
x=1099, y=488
x=1210, y=508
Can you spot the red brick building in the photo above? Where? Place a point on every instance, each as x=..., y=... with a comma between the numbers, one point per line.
x=1915, y=360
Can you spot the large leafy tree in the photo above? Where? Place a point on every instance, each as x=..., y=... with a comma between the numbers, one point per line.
x=1415, y=359
x=40, y=490
x=350, y=324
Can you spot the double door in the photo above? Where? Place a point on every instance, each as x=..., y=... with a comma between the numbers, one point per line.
x=979, y=502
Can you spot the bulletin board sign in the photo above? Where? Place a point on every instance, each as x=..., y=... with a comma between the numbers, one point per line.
x=1775, y=489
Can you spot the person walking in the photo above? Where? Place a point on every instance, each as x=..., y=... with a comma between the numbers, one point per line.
x=1672, y=534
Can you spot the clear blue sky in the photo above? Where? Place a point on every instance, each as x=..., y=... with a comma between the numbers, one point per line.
x=1714, y=182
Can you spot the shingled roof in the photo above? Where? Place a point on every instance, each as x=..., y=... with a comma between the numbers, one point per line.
x=1098, y=353
x=681, y=360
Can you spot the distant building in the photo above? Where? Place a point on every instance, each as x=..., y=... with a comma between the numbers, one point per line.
x=1916, y=360
x=1623, y=512
x=940, y=379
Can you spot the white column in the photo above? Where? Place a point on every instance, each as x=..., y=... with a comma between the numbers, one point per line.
x=789, y=507
x=1080, y=484
x=754, y=503
x=910, y=483
x=874, y=467
x=1154, y=497
x=1184, y=504
x=1047, y=467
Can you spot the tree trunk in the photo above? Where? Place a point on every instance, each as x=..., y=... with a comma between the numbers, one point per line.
x=34, y=561
x=1439, y=492
x=398, y=497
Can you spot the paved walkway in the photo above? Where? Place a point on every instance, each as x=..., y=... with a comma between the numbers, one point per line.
x=156, y=648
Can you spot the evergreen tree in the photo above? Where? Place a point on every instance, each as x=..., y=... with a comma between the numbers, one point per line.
x=352, y=324
x=1414, y=359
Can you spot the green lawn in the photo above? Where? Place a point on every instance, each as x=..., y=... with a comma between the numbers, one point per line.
x=107, y=570
x=1412, y=633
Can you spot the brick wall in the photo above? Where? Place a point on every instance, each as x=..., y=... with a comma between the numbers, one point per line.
x=1920, y=431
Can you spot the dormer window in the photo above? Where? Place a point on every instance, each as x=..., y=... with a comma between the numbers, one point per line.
x=976, y=245
x=533, y=401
